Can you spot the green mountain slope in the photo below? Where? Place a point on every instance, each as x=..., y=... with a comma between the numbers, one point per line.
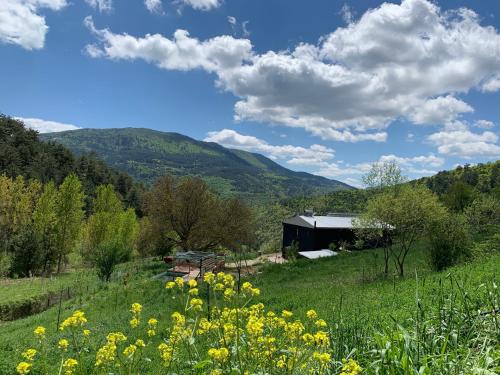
x=147, y=154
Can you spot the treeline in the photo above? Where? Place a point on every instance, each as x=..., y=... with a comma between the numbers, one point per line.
x=22, y=153
x=43, y=225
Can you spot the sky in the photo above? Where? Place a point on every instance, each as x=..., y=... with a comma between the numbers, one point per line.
x=322, y=86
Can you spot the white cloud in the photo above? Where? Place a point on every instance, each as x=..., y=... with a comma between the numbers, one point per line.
x=464, y=143
x=484, y=124
x=440, y=110
x=313, y=155
x=492, y=84
x=101, y=5
x=183, y=52
x=347, y=13
x=204, y=5
x=351, y=85
x=154, y=6
x=21, y=22
x=44, y=126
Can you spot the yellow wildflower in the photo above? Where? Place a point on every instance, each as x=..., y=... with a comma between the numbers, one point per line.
x=196, y=304
x=69, y=366
x=63, y=344
x=179, y=281
x=136, y=308
x=322, y=358
x=29, y=354
x=134, y=322
x=209, y=278
x=23, y=368
x=178, y=318
x=151, y=332
x=311, y=314
x=220, y=355
x=321, y=338
x=140, y=343
x=193, y=292
x=192, y=283
x=129, y=351
x=166, y=353
x=40, y=332
x=169, y=285
x=152, y=322
x=86, y=332
x=350, y=367
x=320, y=323
x=286, y=314
x=228, y=293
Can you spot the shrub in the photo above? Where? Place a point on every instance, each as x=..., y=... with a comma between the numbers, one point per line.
x=107, y=256
x=448, y=241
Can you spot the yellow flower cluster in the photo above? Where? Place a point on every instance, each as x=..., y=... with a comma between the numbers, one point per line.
x=69, y=366
x=350, y=367
x=78, y=319
x=234, y=333
x=107, y=353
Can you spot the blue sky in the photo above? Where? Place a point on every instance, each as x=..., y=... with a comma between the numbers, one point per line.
x=326, y=87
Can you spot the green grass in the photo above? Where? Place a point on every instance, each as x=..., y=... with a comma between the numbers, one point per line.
x=346, y=290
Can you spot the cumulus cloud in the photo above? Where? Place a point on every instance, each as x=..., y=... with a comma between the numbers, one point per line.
x=203, y=5
x=464, y=143
x=44, y=126
x=484, y=124
x=154, y=6
x=313, y=155
x=101, y=5
x=21, y=22
x=351, y=85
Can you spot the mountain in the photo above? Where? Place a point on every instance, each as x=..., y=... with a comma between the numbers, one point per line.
x=148, y=154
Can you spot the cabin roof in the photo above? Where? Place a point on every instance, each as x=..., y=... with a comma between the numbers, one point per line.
x=344, y=221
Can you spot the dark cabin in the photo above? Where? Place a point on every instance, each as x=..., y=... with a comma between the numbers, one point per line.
x=317, y=232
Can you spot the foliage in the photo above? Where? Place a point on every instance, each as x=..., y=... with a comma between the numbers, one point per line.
x=483, y=214
x=69, y=216
x=458, y=196
x=147, y=155
x=408, y=210
x=449, y=241
x=22, y=153
x=27, y=253
x=383, y=175
x=111, y=232
x=188, y=215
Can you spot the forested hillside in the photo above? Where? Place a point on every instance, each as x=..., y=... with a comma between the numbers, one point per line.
x=22, y=153
x=147, y=154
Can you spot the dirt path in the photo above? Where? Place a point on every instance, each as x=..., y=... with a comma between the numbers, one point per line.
x=266, y=258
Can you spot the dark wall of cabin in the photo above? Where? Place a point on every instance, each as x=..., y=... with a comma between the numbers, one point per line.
x=315, y=239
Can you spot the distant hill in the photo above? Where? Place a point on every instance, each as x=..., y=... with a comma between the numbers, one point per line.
x=148, y=154
x=22, y=153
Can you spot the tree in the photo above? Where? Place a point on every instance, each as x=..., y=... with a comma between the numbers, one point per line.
x=383, y=175
x=408, y=210
x=483, y=213
x=185, y=213
x=111, y=232
x=458, y=196
x=69, y=216
x=44, y=226
x=448, y=237
x=369, y=228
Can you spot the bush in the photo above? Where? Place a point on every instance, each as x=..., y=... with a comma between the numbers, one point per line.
x=27, y=253
x=107, y=256
x=448, y=241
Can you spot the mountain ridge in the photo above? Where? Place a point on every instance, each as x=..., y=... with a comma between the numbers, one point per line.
x=146, y=154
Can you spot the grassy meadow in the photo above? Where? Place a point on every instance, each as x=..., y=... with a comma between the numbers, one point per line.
x=426, y=314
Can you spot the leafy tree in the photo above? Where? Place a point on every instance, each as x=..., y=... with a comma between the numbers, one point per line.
x=384, y=174
x=189, y=216
x=69, y=216
x=110, y=233
x=45, y=225
x=369, y=228
x=27, y=252
x=408, y=210
x=459, y=196
x=448, y=237
x=483, y=213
